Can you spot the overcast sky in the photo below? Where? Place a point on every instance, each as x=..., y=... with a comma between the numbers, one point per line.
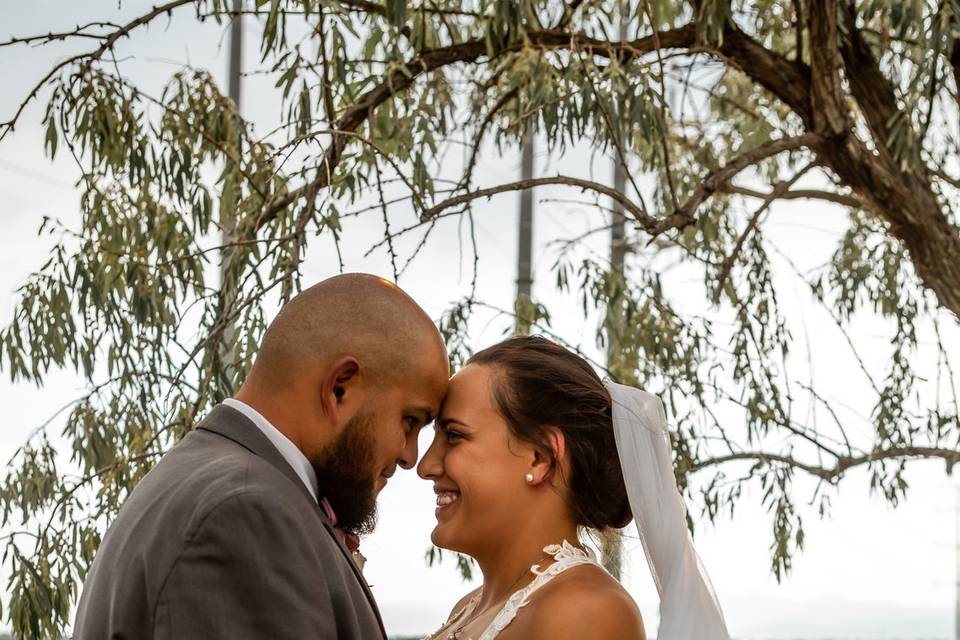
x=868, y=572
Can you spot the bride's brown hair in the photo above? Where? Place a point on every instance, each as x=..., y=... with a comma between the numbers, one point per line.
x=538, y=385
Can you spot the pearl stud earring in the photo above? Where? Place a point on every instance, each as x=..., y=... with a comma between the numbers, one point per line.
x=529, y=477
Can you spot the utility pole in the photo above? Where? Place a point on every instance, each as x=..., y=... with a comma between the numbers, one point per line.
x=525, y=240
x=227, y=209
x=236, y=52
x=956, y=551
x=525, y=248
x=611, y=543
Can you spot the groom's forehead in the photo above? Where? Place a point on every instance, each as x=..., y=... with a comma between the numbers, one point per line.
x=423, y=396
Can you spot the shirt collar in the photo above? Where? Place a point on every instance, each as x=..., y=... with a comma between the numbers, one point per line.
x=293, y=456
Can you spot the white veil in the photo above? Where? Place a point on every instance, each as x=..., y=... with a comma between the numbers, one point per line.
x=689, y=609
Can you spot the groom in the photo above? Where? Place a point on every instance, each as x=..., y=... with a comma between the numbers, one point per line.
x=244, y=530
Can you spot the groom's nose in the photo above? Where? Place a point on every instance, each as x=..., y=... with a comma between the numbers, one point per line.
x=408, y=455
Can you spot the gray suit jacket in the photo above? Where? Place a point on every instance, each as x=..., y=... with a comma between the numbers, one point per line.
x=222, y=540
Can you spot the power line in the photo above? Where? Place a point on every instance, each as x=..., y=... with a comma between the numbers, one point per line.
x=35, y=175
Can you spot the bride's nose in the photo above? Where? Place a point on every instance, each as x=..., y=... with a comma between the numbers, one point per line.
x=431, y=465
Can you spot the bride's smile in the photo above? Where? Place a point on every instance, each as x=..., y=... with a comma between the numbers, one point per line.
x=479, y=468
x=445, y=498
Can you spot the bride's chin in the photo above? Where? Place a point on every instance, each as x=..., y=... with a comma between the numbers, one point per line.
x=437, y=537
x=444, y=542
x=440, y=537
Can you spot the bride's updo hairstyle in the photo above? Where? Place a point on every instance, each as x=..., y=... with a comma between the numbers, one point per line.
x=539, y=385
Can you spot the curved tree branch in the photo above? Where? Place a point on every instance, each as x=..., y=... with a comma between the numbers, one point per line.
x=831, y=474
x=719, y=179
x=653, y=226
x=795, y=194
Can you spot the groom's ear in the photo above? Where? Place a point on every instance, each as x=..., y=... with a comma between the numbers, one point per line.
x=339, y=384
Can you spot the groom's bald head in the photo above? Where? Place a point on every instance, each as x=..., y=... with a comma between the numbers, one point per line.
x=349, y=371
x=355, y=315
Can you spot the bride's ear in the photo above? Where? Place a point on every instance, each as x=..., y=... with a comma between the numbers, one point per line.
x=544, y=465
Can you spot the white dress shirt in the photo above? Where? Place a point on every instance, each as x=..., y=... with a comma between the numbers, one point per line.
x=284, y=445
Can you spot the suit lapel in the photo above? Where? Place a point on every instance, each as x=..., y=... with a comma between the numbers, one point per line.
x=233, y=425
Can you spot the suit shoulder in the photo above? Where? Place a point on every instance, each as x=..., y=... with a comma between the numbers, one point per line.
x=215, y=466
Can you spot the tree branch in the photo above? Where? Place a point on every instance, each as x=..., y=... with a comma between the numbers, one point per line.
x=717, y=180
x=830, y=113
x=872, y=90
x=494, y=110
x=834, y=473
x=955, y=66
x=653, y=226
x=788, y=80
x=78, y=32
x=795, y=194
x=90, y=57
x=399, y=79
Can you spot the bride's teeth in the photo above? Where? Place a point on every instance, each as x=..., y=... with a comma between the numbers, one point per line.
x=444, y=499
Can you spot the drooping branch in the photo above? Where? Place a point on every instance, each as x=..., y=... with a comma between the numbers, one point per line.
x=478, y=140
x=902, y=198
x=778, y=191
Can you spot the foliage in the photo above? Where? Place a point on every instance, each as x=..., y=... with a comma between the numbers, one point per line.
x=860, y=94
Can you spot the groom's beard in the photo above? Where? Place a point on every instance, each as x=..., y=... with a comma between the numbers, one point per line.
x=346, y=478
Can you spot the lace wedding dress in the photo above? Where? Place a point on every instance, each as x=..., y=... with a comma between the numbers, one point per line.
x=565, y=556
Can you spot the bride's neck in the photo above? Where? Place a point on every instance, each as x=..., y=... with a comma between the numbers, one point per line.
x=506, y=565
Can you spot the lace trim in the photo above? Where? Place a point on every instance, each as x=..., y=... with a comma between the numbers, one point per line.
x=565, y=556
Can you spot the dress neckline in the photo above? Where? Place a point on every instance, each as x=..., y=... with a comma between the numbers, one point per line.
x=565, y=556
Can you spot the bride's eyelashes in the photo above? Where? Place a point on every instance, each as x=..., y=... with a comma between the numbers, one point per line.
x=452, y=435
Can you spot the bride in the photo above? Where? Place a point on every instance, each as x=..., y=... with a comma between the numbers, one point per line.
x=531, y=448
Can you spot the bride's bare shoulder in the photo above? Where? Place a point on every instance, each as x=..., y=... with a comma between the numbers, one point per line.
x=462, y=603
x=583, y=602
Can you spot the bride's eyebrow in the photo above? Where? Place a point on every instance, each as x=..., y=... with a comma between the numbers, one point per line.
x=445, y=422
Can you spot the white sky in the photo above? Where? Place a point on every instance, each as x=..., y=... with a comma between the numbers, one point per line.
x=868, y=572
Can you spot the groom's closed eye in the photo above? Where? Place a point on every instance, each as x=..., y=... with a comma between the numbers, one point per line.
x=412, y=423
x=416, y=422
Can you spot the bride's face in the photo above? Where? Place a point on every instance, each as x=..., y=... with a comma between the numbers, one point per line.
x=476, y=464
